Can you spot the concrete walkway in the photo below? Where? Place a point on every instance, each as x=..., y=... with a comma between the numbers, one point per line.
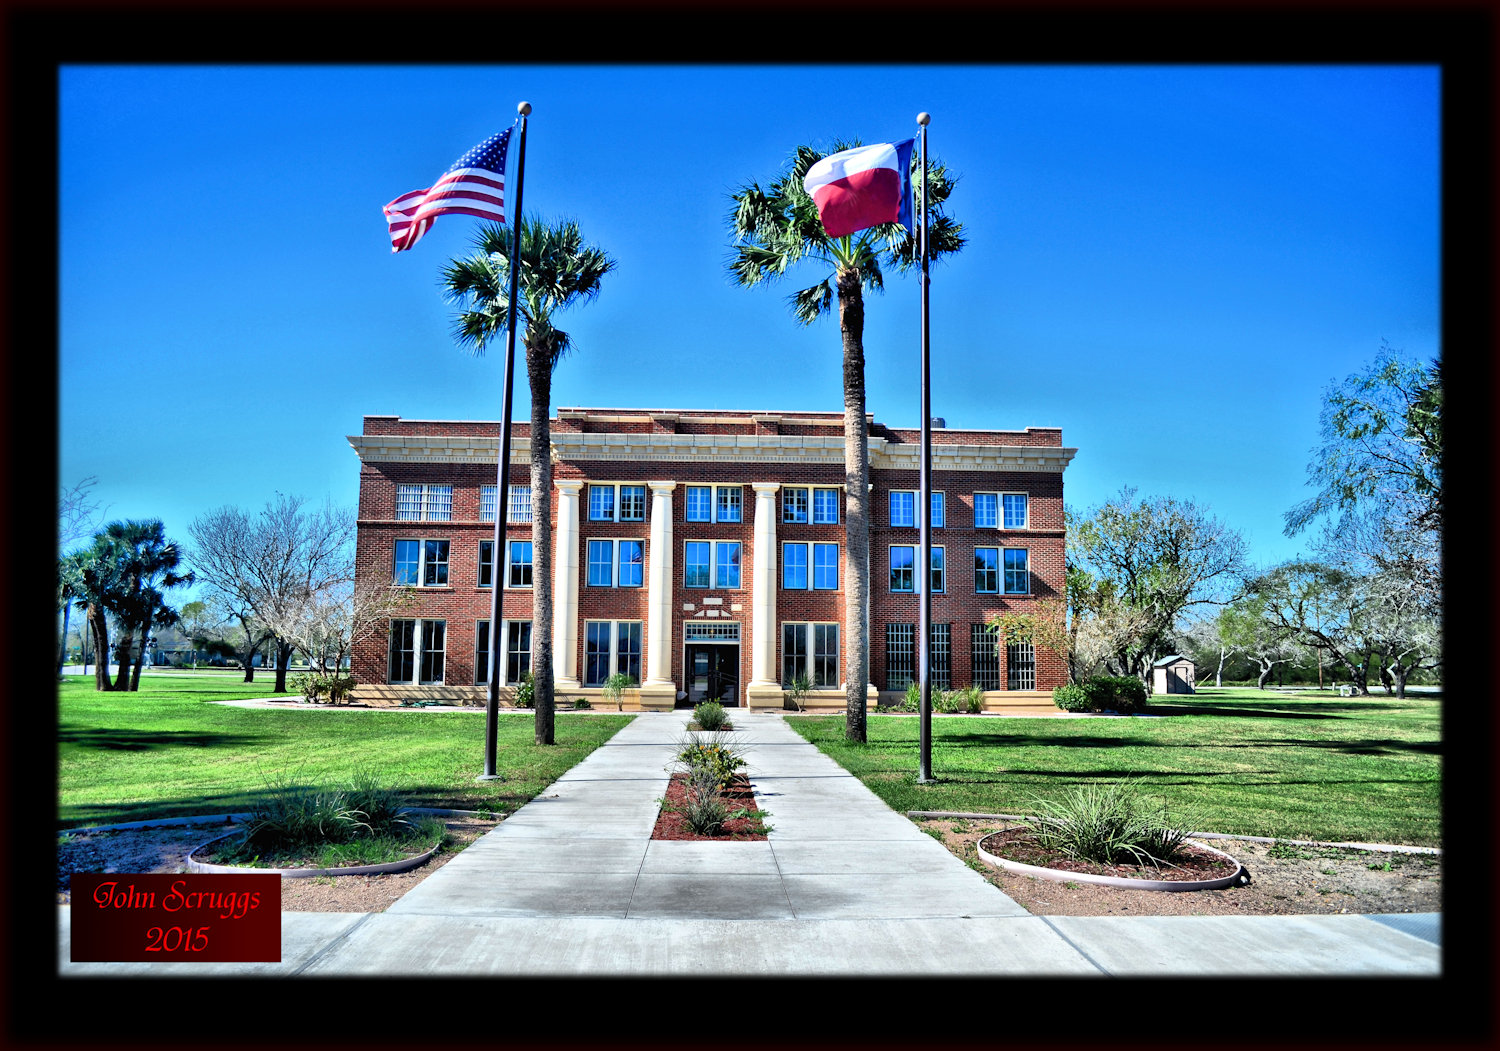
x=573, y=885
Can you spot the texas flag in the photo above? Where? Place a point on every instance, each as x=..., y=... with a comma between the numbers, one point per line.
x=863, y=187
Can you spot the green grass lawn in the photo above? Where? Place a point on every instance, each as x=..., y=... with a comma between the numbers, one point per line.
x=1289, y=765
x=168, y=751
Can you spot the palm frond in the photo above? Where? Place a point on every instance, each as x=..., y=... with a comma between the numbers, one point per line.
x=812, y=303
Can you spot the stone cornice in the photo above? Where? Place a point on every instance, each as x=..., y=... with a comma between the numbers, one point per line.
x=710, y=448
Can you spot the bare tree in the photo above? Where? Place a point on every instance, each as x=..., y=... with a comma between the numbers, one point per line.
x=77, y=513
x=271, y=566
x=336, y=619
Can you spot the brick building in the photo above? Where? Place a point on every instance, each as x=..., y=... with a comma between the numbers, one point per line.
x=702, y=553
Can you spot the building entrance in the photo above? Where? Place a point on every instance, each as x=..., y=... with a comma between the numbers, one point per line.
x=713, y=673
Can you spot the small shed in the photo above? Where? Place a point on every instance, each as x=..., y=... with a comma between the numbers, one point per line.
x=1174, y=674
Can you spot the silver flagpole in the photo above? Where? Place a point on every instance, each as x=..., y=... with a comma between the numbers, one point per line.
x=924, y=506
x=499, y=563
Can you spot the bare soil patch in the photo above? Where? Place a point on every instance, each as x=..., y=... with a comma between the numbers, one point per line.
x=164, y=849
x=1284, y=881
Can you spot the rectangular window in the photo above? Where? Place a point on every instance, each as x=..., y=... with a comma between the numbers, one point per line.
x=939, y=511
x=986, y=511
x=601, y=503
x=628, y=649
x=794, y=566
x=794, y=505
x=902, y=560
x=424, y=503
x=903, y=507
x=402, y=651
x=487, y=503
x=611, y=647
x=900, y=662
x=1017, y=577
x=793, y=652
x=420, y=563
x=985, y=657
x=408, y=563
x=519, y=508
x=632, y=564
x=726, y=564
x=825, y=507
x=434, y=563
x=632, y=503
x=486, y=563
x=517, y=652
x=699, y=504
x=1015, y=510
x=825, y=567
x=697, y=558
x=601, y=563
x=811, y=650
x=825, y=655
x=939, y=656
x=987, y=571
x=596, y=652
x=939, y=574
x=729, y=502
x=416, y=649
x=520, y=564
x=1020, y=666
x=433, y=641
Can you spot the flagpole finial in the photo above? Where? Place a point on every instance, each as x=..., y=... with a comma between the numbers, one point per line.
x=924, y=118
x=524, y=109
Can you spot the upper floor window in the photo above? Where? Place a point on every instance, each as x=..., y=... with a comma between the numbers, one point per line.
x=617, y=503
x=518, y=508
x=713, y=503
x=794, y=505
x=1014, y=506
x=825, y=509
x=903, y=568
x=420, y=563
x=424, y=503
x=616, y=563
x=711, y=563
x=903, y=508
x=821, y=575
x=986, y=510
x=1017, y=571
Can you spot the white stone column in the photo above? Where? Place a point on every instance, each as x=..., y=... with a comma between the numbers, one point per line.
x=659, y=596
x=565, y=588
x=765, y=684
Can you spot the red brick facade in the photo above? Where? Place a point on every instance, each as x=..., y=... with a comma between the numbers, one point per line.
x=800, y=452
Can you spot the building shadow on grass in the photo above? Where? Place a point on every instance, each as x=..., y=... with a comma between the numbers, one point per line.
x=126, y=740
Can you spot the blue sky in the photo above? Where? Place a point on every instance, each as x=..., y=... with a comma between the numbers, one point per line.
x=1170, y=263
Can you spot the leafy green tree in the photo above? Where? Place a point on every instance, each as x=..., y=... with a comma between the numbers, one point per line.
x=556, y=270
x=1378, y=474
x=1147, y=562
x=777, y=227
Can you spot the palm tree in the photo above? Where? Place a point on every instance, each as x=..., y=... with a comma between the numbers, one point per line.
x=557, y=270
x=141, y=563
x=778, y=227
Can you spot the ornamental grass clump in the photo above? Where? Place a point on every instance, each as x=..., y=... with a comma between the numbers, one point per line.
x=1108, y=824
x=711, y=752
x=704, y=810
x=294, y=819
x=710, y=715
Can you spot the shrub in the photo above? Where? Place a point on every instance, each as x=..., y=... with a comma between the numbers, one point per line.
x=1071, y=698
x=1109, y=824
x=711, y=753
x=615, y=686
x=525, y=695
x=582, y=703
x=1118, y=693
x=316, y=687
x=913, y=702
x=710, y=715
x=947, y=702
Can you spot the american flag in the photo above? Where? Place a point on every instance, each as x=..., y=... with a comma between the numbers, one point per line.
x=475, y=185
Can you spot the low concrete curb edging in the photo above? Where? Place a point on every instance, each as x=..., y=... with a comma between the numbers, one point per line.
x=194, y=865
x=1060, y=876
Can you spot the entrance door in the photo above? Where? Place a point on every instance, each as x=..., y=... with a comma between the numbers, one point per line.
x=713, y=674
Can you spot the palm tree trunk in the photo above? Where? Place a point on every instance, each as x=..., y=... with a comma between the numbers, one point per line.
x=856, y=506
x=539, y=374
x=100, y=628
x=62, y=648
x=140, y=658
